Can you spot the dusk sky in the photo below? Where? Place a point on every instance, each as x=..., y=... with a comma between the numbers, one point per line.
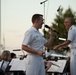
x=16, y=17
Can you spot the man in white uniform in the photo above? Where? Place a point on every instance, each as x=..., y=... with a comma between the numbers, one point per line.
x=71, y=40
x=34, y=43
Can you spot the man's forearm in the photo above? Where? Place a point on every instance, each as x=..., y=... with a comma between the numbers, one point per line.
x=64, y=43
x=27, y=49
x=30, y=50
x=50, y=40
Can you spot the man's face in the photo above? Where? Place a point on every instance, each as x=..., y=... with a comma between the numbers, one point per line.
x=67, y=23
x=40, y=22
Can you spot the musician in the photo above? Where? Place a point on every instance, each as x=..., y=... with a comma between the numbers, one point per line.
x=71, y=41
x=6, y=57
x=34, y=43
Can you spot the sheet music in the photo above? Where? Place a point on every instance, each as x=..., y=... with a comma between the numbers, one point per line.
x=60, y=63
x=18, y=65
x=55, y=55
x=59, y=55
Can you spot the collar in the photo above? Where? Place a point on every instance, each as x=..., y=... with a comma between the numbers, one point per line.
x=71, y=27
x=33, y=28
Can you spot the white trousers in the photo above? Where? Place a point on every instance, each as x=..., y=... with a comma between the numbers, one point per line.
x=73, y=62
x=34, y=66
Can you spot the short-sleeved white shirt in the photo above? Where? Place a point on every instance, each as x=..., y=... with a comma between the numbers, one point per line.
x=34, y=39
x=72, y=36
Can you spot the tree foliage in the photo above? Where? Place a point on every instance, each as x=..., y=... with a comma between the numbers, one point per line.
x=58, y=24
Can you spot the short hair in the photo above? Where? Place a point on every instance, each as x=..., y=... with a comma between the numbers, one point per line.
x=5, y=55
x=36, y=17
x=71, y=20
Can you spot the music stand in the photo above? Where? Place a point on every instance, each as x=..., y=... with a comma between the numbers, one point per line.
x=17, y=65
x=60, y=68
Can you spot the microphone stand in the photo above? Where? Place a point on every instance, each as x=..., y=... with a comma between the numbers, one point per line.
x=44, y=14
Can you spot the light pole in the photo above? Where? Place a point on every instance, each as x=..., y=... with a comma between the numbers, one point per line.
x=44, y=14
x=0, y=27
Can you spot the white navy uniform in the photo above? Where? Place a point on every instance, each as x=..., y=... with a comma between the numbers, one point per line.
x=72, y=38
x=35, y=63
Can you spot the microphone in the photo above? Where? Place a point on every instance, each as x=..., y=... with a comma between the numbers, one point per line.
x=59, y=8
x=47, y=26
x=51, y=28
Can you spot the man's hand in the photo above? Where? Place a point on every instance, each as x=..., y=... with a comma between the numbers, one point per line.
x=52, y=31
x=40, y=53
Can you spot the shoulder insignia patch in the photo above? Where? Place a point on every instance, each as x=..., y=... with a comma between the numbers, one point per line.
x=71, y=28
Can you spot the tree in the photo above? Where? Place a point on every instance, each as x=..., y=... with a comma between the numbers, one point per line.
x=58, y=24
